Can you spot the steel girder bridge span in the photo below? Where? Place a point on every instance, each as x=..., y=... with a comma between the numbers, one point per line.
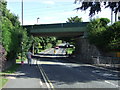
x=58, y=30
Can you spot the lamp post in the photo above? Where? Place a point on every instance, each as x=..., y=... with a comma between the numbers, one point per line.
x=37, y=19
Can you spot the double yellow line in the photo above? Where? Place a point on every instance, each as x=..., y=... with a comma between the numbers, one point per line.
x=45, y=77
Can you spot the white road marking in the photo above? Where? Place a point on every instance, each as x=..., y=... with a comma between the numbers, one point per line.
x=111, y=83
x=41, y=83
x=44, y=78
x=49, y=85
x=48, y=51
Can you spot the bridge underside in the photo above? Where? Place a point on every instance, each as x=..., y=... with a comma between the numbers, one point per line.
x=58, y=30
x=59, y=34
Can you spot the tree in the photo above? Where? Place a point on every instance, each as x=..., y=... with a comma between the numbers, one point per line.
x=114, y=36
x=97, y=32
x=106, y=38
x=95, y=6
x=13, y=35
x=75, y=19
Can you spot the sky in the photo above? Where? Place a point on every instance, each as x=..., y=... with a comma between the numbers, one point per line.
x=50, y=11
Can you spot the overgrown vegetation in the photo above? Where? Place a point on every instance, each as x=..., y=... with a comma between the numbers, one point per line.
x=114, y=36
x=105, y=37
x=11, y=70
x=2, y=82
x=70, y=50
x=12, y=33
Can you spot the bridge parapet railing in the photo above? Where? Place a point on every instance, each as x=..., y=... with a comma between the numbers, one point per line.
x=106, y=61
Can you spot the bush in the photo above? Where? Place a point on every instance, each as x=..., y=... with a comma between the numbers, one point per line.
x=105, y=37
x=114, y=36
x=12, y=33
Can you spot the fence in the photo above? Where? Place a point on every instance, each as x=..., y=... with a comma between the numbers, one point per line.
x=106, y=61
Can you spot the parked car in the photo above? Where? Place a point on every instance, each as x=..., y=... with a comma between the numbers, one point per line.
x=57, y=47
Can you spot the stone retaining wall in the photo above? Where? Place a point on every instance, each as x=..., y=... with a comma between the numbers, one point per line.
x=87, y=53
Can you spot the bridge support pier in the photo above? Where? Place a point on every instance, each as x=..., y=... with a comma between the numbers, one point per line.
x=84, y=50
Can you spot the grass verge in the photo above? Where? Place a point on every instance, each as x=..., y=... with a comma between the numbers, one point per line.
x=19, y=60
x=3, y=79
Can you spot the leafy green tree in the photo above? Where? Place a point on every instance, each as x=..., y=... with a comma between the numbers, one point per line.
x=75, y=19
x=96, y=32
x=42, y=42
x=14, y=37
x=114, y=36
x=95, y=6
x=6, y=34
x=105, y=37
x=45, y=40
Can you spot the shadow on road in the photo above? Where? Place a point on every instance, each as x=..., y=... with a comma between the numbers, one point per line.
x=67, y=72
x=25, y=71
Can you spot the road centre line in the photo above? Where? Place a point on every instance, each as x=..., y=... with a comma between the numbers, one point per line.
x=44, y=77
x=47, y=79
x=49, y=85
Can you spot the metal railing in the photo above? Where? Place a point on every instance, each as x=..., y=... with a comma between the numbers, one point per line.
x=106, y=61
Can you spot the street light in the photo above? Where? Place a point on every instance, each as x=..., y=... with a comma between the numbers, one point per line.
x=37, y=19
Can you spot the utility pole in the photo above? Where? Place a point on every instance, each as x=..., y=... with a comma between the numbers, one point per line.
x=111, y=16
x=116, y=17
x=22, y=12
x=22, y=37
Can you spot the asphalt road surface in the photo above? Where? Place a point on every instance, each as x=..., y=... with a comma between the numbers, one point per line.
x=62, y=73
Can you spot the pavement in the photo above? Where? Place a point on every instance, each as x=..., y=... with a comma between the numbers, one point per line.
x=25, y=77
x=102, y=66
